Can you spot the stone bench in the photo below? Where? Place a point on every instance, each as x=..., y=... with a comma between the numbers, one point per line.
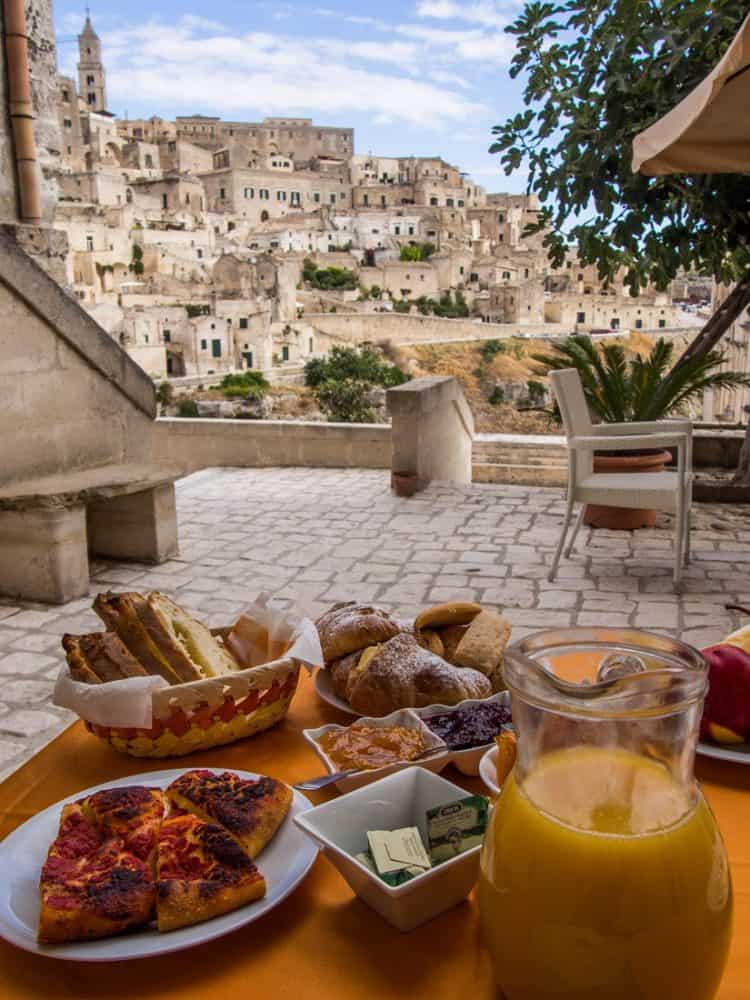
x=49, y=525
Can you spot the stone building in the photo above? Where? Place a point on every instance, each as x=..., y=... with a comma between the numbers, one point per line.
x=92, y=84
x=191, y=212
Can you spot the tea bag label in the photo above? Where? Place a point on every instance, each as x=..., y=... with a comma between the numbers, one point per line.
x=456, y=827
x=393, y=850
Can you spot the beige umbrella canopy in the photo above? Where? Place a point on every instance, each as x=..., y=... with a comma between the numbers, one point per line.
x=709, y=130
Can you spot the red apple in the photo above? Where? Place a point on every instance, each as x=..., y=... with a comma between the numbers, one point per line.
x=728, y=700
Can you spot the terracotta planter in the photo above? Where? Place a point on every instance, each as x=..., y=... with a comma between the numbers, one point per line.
x=404, y=484
x=625, y=518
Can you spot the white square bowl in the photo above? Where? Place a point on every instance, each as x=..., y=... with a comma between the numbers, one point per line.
x=402, y=799
x=406, y=717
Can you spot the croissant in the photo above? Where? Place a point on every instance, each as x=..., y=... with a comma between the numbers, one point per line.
x=402, y=674
x=348, y=627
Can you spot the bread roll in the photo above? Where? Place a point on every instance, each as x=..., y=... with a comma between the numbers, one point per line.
x=347, y=627
x=430, y=639
x=339, y=671
x=452, y=613
x=483, y=643
x=450, y=636
x=401, y=674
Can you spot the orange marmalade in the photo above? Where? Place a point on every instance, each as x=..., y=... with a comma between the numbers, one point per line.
x=366, y=747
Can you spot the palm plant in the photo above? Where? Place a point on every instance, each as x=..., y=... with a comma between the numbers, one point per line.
x=619, y=389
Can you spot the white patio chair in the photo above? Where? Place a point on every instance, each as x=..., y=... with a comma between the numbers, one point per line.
x=668, y=491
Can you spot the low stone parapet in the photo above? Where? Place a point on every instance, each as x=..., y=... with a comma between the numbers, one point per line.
x=200, y=444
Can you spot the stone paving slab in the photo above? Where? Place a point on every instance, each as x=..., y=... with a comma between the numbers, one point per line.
x=311, y=537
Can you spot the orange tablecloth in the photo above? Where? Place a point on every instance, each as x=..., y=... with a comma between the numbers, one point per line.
x=321, y=942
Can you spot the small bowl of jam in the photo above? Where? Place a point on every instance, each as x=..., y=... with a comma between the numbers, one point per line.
x=469, y=728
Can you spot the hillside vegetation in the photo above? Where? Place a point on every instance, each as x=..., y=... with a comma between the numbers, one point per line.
x=480, y=370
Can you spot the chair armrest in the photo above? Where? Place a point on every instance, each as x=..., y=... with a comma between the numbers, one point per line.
x=629, y=442
x=644, y=427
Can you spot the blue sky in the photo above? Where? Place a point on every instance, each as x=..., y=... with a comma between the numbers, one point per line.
x=422, y=77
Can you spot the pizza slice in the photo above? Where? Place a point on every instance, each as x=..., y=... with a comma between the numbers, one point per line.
x=132, y=813
x=251, y=811
x=202, y=873
x=90, y=886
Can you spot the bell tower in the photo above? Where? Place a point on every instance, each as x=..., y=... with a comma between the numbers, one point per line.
x=92, y=84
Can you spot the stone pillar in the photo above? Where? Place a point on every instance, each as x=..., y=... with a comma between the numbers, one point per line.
x=140, y=526
x=43, y=554
x=432, y=433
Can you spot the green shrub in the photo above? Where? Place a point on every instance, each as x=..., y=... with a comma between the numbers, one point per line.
x=341, y=382
x=376, y=291
x=364, y=364
x=326, y=278
x=497, y=396
x=536, y=392
x=401, y=306
x=345, y=402
x=187, y=408
x=491, y=348
x=197, y=309
x=244, y=385
x=136, y=263
x=417, y=251
x=164, y=393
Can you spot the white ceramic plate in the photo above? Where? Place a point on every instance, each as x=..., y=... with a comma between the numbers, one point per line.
x=284, y=864
x=488, y=770
x=739, y=753
x=325, y=689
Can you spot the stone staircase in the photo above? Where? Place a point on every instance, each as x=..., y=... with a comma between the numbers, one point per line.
x=523, y=459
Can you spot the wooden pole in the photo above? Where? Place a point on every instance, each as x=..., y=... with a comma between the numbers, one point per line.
x=22, y=111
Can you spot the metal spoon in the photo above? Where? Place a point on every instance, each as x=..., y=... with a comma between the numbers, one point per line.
x=313, y=784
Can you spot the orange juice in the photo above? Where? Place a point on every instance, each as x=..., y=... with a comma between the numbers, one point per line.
x=602, y=879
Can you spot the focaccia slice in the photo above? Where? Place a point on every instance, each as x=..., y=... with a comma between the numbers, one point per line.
x=202, y=873
x=132, y=813
x=90, y=886
x=168, y=619
x=130, y=616
x=100, y=657
x=251, y=811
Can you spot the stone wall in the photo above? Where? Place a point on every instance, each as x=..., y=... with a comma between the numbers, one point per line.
x=201, y=444
x=402, y=329
x=71, y=397
x=43, y=66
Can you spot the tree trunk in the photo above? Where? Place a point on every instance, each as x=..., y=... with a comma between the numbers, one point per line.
x=733, y=306
x=731, y=309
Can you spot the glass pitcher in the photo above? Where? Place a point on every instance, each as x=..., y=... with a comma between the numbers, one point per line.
x=603, y=875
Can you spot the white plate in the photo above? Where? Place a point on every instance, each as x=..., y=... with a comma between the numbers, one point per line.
x=488, y=770
x=325, y=689
x=284, y=864
x=739, y=753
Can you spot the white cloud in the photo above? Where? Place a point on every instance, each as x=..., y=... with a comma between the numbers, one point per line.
x=484, y=13
x=201, y=23
x=440, y=76
x=179, y=68
x=470, y=45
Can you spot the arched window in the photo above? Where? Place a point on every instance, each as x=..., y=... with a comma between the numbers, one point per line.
x=264, y=216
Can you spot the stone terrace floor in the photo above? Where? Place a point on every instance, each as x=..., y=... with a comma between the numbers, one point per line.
x=311, y=537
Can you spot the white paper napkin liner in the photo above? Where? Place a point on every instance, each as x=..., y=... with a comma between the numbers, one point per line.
x=128, y=703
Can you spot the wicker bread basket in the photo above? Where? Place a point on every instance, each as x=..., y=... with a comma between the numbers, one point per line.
x=209, y=713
